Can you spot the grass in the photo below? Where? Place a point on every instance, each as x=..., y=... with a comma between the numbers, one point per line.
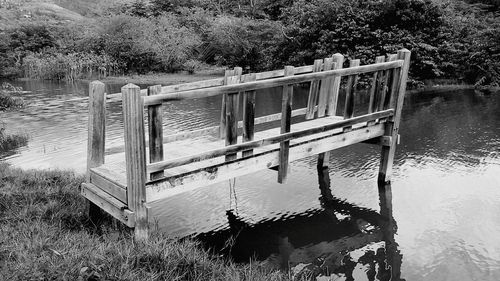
x=45, y=234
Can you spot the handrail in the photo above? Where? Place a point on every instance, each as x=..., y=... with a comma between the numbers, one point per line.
x=250, y=86
x=216, y=82
x=160, y=166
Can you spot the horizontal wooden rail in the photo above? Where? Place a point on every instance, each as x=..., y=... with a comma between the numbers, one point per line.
x=159, y=166
x=214, y=82
x=262, y=84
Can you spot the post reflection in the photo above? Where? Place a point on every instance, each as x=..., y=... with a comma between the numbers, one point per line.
x=339, y=240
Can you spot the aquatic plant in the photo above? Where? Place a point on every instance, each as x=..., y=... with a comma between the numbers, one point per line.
x=7, y=101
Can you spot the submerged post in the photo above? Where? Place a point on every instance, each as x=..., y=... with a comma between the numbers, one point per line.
x=135, y=157
x=96, y=137
x=392, y=128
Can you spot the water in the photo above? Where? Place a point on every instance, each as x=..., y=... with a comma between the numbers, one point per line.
x=437, y=221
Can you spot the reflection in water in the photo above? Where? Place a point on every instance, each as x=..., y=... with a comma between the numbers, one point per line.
x=340, y=239
x=445, y=184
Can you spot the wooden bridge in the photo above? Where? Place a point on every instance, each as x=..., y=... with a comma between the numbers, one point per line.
x=126, y=183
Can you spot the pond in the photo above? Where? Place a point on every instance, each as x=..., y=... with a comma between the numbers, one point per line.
x=437, y=221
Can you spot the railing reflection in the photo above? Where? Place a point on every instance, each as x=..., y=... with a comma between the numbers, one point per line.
x=339, y=240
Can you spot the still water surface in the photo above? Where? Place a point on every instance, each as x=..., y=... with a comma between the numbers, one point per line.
x=439, y=220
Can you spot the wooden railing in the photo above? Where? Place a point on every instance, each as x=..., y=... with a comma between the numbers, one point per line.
x=385, y=102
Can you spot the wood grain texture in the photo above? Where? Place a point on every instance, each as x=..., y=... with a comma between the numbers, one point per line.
x=318, y=127
x=286, y=122
x=231, y=130
x=312, y=99
x=269, y=83
x=222, y=127
x=243, y=166
x=350, y=92
x=338, y=61
x=135, y=157
x=96, y=126
x=325, y=88
x=392, y=128
x=248, y=113
x=385, y=84
x=155, y=128
x=375, y=87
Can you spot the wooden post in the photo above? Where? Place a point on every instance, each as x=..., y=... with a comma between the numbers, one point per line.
x=338, y=61
x=155, y=128
x=388, y=75
x=325, y=88
x=96, y=138
x=331, y=110
x=232, y=115
x=222, y=128
x=313, y=91
x=375, y=89
x=286, y=122
x=350, y=94
x=392, y=128
x=248, y=113
x=135, y=157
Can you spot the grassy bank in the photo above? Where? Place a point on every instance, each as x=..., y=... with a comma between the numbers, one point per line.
x=45, y=234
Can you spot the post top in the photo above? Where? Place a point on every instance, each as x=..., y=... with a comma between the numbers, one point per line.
x=130, y=86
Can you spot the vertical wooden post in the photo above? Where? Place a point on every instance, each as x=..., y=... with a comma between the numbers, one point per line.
x=392, y=128
x=338, y=60
x=155, y=128
x=96, y=137
x=135, y=157
x=375, y=89
x=331, y=110
x=248, y=113
x=350, y=95
x=325, y=88
x=388, y=75
x=286, y=122
x=232, y=115
x=222, y=127
x=313, y=91
x=396, y=73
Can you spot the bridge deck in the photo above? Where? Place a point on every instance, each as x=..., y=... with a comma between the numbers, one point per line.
x=111, y=176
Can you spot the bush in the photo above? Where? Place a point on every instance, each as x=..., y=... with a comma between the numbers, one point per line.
x=242, y=42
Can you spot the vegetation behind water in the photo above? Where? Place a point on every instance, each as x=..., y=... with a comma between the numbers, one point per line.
x=449, y=39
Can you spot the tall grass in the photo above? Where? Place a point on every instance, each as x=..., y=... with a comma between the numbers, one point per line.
x=69, y=66
x=45, y=234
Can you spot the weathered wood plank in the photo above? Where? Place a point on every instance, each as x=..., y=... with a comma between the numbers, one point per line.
x=393, y=90
x=222, y=127
x=155, y=127
x=385, y=83
x=205, y=176
x=135, y=157
x=286, y=122
x=96, y=137
x=392, y=128
x=248, y=114
x=350, y=95
x=96, y=126
x=375, y=88
x=153, y=167
x=325, y=88
x=232, y=116
x=338, y=61
x=262, y=84
x=109, y=186
x=108, y=203
x=312, y=100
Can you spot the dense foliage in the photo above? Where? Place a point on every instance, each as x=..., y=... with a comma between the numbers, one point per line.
x=448, y=39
